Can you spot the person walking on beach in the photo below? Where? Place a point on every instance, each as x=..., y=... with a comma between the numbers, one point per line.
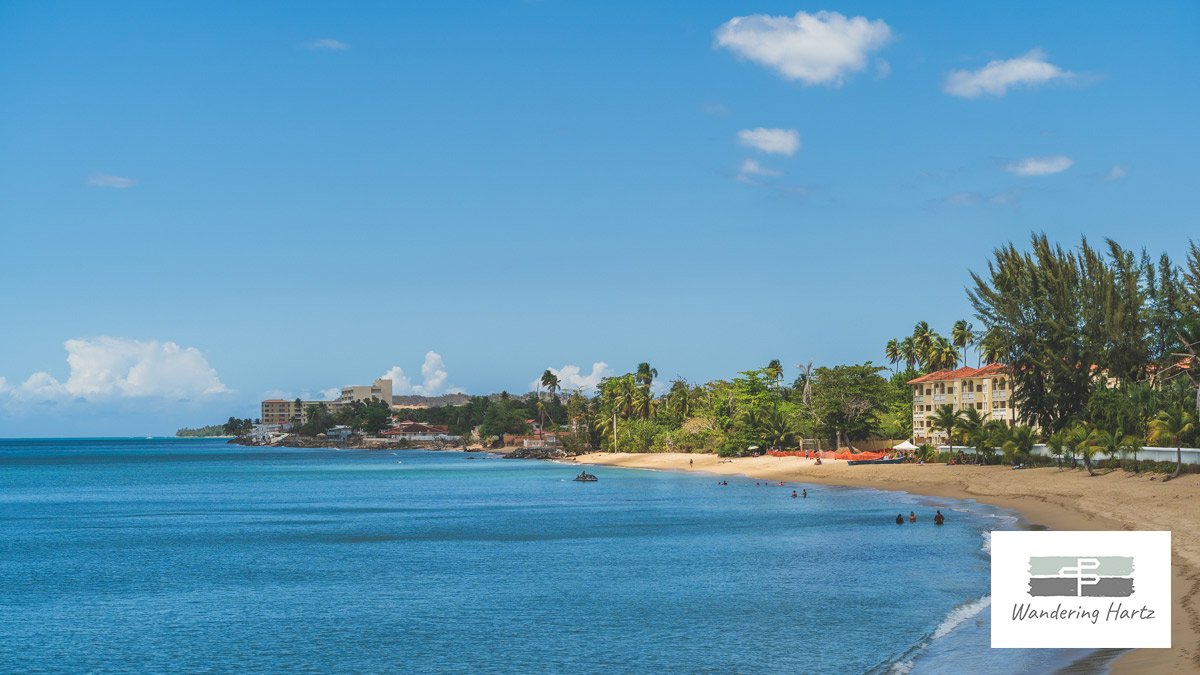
x=939, y=519
x=899, y=518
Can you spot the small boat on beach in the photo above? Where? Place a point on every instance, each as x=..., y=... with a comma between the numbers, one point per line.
x=585, y=477
x=855, y=462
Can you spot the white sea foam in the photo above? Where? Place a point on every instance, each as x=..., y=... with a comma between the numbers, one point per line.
x=959, y=615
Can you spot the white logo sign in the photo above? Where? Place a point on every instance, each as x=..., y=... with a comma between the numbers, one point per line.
x=1081, y=589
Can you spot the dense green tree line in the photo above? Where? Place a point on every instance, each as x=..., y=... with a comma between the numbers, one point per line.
x=1097, y=341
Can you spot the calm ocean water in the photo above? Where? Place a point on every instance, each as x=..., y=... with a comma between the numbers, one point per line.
x=194, y=555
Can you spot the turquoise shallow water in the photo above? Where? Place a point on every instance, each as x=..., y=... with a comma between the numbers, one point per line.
x=194, y=555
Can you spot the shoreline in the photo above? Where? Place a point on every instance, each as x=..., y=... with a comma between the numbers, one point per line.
x=1058, y=500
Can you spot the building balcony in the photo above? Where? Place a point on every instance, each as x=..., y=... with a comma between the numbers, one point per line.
x=940, y=398
x=968, y=397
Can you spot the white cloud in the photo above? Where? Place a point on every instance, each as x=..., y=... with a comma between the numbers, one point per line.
x=401, y=383
x=572, y=378
x=1114, y=174
x=750, y=169
x=328, y=44
x=997, y=76
x=107, y=367
x=433, y=374
x=105, y=180
x=820, y=48
x=1040, y=166
x=771, y=141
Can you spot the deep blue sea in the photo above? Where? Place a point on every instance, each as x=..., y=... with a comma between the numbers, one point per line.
x=193, y=555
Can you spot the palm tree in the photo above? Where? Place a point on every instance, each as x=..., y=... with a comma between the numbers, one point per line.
x=943, y=354
x=777, y=428
x=1170, y=426
x=892, y=351
x=923, y=337
x=1129, y=446
x=806, y=371
x=1077, y=439
x=963, y=336
x=645, y=375
x=1057, y=445
x=550, y=382
x=970, y=425
x=908, y=352
x=1020, y=442
x=946, y=418
x=774, y=371
x=1087, y=451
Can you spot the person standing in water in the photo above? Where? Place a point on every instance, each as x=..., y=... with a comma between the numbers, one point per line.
x=939, y=519
x=912, y=517
x=794, y=495
x=899, y=518
x=804, y=493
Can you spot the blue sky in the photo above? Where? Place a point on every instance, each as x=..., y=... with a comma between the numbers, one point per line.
x=204, y=203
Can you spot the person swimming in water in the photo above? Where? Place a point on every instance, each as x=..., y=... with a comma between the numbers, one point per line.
x=794, y=495
x=912, y=517
x=939, y=519
x=899, y=518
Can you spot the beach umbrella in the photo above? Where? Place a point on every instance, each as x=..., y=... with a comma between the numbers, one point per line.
x=905, y=446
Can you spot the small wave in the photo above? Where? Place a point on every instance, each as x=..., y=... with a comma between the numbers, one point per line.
x=986, y=546
x=960, y=615
x=957, y=617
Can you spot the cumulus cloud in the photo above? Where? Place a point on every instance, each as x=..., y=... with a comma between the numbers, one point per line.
x=820, y=48
x=1040, y=166
x=997, y=76
x=433, y=375
x=106, y=180
x=771, y=141
x=751, y=169
x=572, y=378
x=328, y=44
x=107, y=367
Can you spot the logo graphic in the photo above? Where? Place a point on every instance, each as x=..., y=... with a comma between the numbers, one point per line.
x=1080, y=589
x=1081, y=577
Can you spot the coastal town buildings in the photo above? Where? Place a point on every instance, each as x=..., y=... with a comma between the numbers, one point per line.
x=281, y=411
x=416, y=431
x=380, y=389
x=987, y=390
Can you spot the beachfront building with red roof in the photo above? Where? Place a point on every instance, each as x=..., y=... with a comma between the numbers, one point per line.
x=987, y=390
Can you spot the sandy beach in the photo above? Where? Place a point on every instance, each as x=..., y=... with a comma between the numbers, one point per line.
x=1059, y=500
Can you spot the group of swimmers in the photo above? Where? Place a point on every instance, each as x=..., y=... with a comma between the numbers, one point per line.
x=803, y=492
x=938, y=519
